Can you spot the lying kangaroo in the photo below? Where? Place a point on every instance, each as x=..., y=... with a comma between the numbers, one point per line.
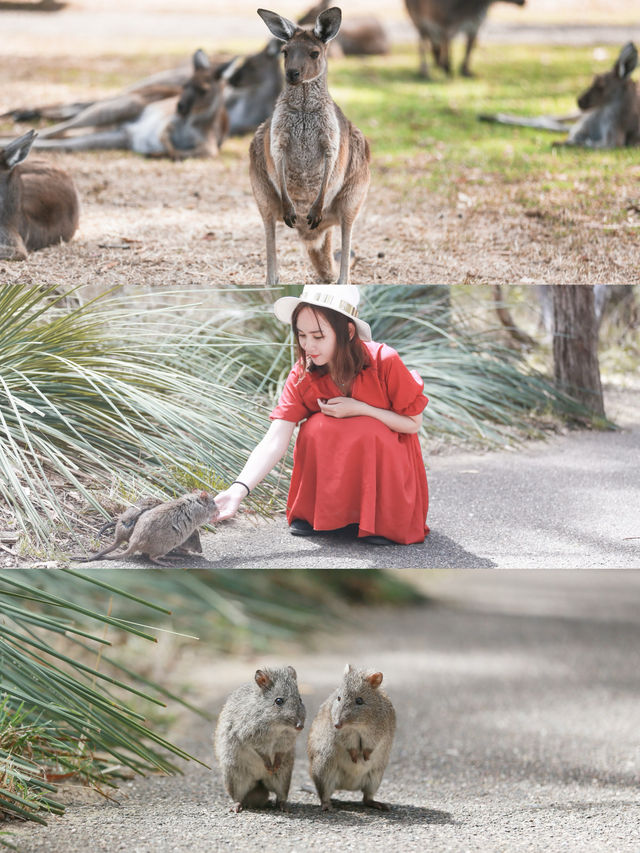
x=359, y=36
x=611, y=107
x=251, y=90
x=38, y=203
x=308, y=164
x=175, y=127
x=438, y=21
x=610, y=116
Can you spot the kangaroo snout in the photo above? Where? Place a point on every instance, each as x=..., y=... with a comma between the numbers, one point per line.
x=293, y=76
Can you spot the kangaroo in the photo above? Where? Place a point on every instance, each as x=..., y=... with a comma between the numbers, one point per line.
x=611, y=107
x=308, y=164
x=251, y=90
x=175, y=127
x=609, y=114
x=438, y=21
x=361, y=36
x=38, y=203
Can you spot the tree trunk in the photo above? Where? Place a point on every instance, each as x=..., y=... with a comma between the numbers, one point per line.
x=575, y=345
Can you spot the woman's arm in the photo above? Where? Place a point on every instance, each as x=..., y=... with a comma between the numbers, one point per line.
x=347, y=407
x=262, y=460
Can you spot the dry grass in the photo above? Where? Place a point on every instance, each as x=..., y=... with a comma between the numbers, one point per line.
x=156, y=222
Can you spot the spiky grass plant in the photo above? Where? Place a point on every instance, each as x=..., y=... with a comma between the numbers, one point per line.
x=63, y=711
x=114, y=394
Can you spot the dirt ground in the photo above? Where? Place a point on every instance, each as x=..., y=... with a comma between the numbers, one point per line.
x=157, y=222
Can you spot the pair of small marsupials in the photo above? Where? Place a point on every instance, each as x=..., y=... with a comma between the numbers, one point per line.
x=348, y=747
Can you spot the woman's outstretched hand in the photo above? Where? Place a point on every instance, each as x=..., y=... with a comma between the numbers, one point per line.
x=228, y=502
x=342, y=407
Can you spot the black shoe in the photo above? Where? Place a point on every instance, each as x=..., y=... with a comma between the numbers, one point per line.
x=299, y=527
x=376, y=540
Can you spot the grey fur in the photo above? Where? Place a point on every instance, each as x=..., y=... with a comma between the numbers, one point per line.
x=309, y=166
x=349, y=743
x=255, y=738
x=612, y=107
x=170, y=525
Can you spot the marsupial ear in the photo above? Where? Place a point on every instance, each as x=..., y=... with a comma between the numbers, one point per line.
x=375, y=680
x=263, y=679
x=292, y=672
x=627, y=60
x=347, y=669
x=328, y=24
x=280, y=27
x=200, y=60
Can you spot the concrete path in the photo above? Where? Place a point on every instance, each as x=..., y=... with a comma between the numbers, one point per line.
x=518, y=730
x=570, y=502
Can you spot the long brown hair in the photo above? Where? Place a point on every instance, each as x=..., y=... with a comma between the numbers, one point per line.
x=350, y=356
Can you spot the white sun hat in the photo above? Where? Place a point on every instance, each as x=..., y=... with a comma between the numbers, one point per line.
x=343, y=298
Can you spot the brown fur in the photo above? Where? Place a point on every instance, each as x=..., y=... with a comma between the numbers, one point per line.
x=38, y=203
x=169, y=526
x=309, y=166
x=438, y=21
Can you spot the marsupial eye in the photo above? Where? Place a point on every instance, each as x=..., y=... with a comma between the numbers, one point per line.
x=339, y=698
x=359, y=701
x=279, y=701
x=315, y=54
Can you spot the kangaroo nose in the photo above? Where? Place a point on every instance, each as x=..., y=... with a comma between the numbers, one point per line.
x=293, y=76
x=338, y=725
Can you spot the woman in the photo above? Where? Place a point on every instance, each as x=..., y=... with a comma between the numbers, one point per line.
x=357, y=458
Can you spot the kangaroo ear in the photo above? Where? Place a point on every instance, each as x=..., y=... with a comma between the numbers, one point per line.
x=328, y=24
x=292, y=672
x=347, y=669
x=282, y=28
x=263, y=679
x=17, y=150
x=627, y=61
x=200, y=60
x=375, y=680
x=227, y=69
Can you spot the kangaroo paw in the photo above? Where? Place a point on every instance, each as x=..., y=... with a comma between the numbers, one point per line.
x=314, y=218
x=290, y=217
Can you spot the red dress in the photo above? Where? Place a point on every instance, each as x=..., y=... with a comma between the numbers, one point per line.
x=357, y=470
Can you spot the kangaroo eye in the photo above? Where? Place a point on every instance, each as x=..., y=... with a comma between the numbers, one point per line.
x=315, y=54
x=339, y=698
x=279, y=701
x=359, y=701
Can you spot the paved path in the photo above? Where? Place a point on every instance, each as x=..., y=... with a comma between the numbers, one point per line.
x=570, y=502
x=518, y=730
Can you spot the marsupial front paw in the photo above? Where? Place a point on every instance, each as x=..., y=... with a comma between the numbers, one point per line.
x=354, y=755
x=290, y=216
x=314, y=217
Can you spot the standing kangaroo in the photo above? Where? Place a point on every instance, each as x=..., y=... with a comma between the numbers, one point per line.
x=309, y=166
x=38, y=203
x=150, y=124
x=438, y=21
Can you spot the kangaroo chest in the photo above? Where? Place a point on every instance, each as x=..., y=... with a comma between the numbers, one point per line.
x=301, y=139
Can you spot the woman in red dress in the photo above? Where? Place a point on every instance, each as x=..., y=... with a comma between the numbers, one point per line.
x=357, y=457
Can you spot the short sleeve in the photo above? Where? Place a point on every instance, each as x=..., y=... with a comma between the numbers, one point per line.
x=405, y=387
x=290, y=405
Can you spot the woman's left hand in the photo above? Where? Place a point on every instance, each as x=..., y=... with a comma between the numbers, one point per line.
x=342, y=407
